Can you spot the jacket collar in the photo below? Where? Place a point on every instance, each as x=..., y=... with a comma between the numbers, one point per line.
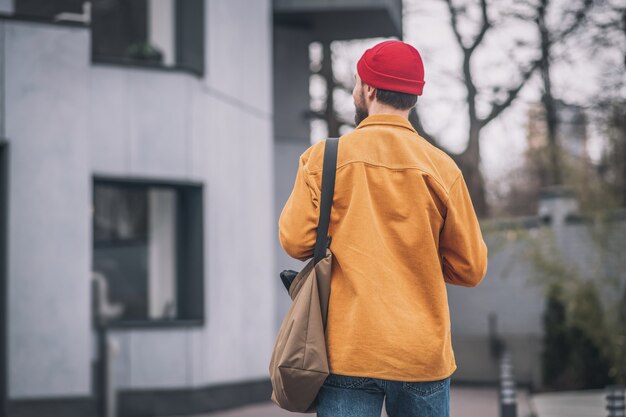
x=386, y=119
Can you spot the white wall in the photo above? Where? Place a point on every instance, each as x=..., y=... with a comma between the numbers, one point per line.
x=68, y=119
x=49, y=236
x=242, y=287
x=239, y=58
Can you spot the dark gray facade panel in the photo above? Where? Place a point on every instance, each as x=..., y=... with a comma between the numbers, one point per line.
x=4, y=183
x=330, y=20
x=53, y=407
x=143, y=403
x=140, y=403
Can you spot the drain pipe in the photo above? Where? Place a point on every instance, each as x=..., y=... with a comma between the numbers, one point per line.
x=112, y=351
x=108, y=348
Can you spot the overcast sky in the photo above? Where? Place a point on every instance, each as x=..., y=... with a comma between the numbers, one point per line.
x=442, y=104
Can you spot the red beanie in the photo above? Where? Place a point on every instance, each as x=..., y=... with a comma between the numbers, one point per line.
x=392, y=65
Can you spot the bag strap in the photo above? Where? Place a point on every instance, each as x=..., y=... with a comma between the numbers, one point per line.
x=328, y=190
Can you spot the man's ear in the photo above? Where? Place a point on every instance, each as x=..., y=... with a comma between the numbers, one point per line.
x=370, y=91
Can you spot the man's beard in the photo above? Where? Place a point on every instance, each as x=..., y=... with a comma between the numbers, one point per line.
x=360, y=110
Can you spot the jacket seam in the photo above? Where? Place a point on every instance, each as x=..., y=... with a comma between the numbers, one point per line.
x=460, y=174
x=388, y=167
x=388, y=124
x=311, y=184
x=386, y=375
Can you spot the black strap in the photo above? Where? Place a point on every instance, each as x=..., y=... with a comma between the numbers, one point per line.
x=328, y=190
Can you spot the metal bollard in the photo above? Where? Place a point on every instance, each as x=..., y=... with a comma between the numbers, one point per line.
x=615, y=402
x=508, y=401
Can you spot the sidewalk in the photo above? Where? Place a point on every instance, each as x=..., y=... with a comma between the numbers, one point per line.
x=587, y=403
x=464, y=402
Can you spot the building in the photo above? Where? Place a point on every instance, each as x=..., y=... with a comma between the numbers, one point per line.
x=509, y=303
x=571, y=129
x=146, y=150
x=571, y=138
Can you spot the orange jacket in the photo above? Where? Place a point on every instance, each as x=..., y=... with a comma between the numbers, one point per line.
x=402, y=225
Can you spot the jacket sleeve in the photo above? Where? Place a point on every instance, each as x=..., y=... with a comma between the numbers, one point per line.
x=462, y=248
x=297, y=225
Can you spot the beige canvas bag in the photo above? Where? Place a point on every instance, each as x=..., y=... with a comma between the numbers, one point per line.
x=299, y=363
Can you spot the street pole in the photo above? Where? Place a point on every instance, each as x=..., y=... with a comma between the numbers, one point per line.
x=615, y=402
x=508, y=401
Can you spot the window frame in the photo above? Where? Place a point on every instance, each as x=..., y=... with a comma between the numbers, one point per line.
x=177, y=67
x=190, y=243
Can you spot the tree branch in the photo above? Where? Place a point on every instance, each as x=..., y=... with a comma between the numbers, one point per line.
x=468, y=52
x=497, y=108
x=343, y=86
x=578, y=20
x=485, y=25
x=321, y=115
x=454, y=23
x=416, y=122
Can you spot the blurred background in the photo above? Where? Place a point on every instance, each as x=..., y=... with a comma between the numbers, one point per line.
x=147, y=148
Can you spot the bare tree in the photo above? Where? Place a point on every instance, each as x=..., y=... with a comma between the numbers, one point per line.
x=533, y=11
x=333, y=118
x=548, y=37
x=469, y=160
x=607, y=33
x=612, y=166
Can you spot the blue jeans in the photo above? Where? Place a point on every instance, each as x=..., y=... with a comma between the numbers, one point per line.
x=355, y=396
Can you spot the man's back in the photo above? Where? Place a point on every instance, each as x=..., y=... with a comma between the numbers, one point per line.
x=402, y=225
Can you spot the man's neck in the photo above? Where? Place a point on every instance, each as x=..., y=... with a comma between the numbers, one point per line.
x=378, y=108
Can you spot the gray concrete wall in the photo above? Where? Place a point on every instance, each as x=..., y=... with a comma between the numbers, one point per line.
x=291, y=85
x=287, y=156
x=292, y=136
x=514, y=291
x=508, y=292
x=475, y=364
x=6, y=6
x=68, y=119
x=2, y=82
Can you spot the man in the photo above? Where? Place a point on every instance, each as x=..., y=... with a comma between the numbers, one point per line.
x=402, y=226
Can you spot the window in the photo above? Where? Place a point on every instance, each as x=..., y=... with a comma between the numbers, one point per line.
x=153, y=33
x=161, y=33
x=148, y=247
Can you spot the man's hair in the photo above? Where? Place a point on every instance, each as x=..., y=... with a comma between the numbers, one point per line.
x=398, y=100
